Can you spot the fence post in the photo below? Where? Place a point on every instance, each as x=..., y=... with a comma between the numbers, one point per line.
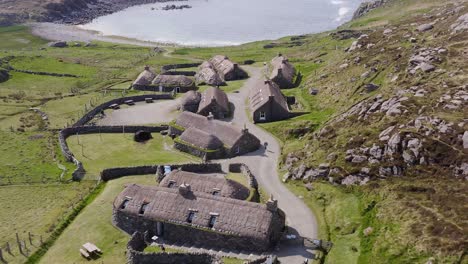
x=7, y=248
x=1, y=256
x=30, y=238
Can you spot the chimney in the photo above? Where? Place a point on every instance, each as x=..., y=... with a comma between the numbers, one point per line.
x=245, y=129
x=267, y=81
x=184, y=188
x=210, y=116
x=272, y=204
x=147, y=68
x=279, y=54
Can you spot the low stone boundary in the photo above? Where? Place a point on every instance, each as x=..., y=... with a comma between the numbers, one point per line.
x=115, y=173
x=169, y=67
x=185, y=73
x=138, y=98
x=79, y=172
x=48, y=73
x=242, y=168
x=136, y=255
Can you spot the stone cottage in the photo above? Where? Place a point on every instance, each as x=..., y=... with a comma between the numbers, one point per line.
x=283, y=73
x=214, y=101
x=267, y=103
x=144, y=79
x=211, y=183
x=209, y=138
x=227, y=69
x=190, y=101
x=177, y=83
x=219, y=69
x=149, y=81
x=180, y=215
x=207, y=75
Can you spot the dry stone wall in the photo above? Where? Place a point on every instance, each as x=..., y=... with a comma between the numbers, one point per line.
x=115, y=173
x=138, y=98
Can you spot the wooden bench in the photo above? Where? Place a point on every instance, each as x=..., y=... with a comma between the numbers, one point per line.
x=114, y=106
x=129, y=102
x=84, y=253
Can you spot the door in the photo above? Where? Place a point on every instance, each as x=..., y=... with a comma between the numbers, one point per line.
x=160, y=229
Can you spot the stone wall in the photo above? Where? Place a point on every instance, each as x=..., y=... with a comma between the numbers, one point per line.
x=138, y=98
x=169, y=67
x=115, y=173
x=196, y=236
x=137, y=245
x=185, y=73
x=79, y=172
x=242, y=168
x=204, y=154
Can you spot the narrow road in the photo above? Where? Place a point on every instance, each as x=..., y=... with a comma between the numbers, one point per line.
x=263, y=163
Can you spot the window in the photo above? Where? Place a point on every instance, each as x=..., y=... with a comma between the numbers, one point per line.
x=262, y=115
x=190, y=217
x=143, y=208
x=124, y=204
x=212, y=221
x=171, y=184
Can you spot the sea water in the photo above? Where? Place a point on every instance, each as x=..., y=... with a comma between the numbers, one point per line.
x=225, y=22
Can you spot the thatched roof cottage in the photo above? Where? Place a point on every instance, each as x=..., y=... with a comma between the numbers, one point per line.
x=149, y=81
x=227, y=69
x=190, y=101
x=283, y=72
x=180, y=215
x=267, y=103
x=214, y=101
x=209, y=138
x=144, y=79
x=180, y=83
x=211, y=183
x=207, y=75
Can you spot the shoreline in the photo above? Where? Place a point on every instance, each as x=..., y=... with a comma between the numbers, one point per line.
x=63, y=32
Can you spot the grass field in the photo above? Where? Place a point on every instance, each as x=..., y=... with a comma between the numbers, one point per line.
x=31, y=157
x=94, y=225
x=98, y=152
x=37, y=209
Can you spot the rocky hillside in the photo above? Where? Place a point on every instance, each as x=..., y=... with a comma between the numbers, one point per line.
x=63, y=11
x=400, y=96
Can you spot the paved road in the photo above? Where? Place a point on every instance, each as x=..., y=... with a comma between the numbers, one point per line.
x=263, y=163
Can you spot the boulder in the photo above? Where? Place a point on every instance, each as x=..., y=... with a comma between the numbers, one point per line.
x=370, y=87
x=461, y=24
x=58, y=44
x=426, y=67
x=358, y=159
x=313, y=91
x=142, y=136
x=424, y=27
x=4, y=75
x=465, y=140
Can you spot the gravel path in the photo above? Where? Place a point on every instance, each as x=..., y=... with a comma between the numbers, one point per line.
x=141, y=113
x=263, y=164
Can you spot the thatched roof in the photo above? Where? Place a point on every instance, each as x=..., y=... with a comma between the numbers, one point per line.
x=145, y=77
x=207, y=183
x=201, y=139
x=191, y=98
x=229, y=134
x=225, y=67
x=173, y=81
x=207, y=75
x=217, y=95
x=283, y=72
x=259, y=95
x=233, y=216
